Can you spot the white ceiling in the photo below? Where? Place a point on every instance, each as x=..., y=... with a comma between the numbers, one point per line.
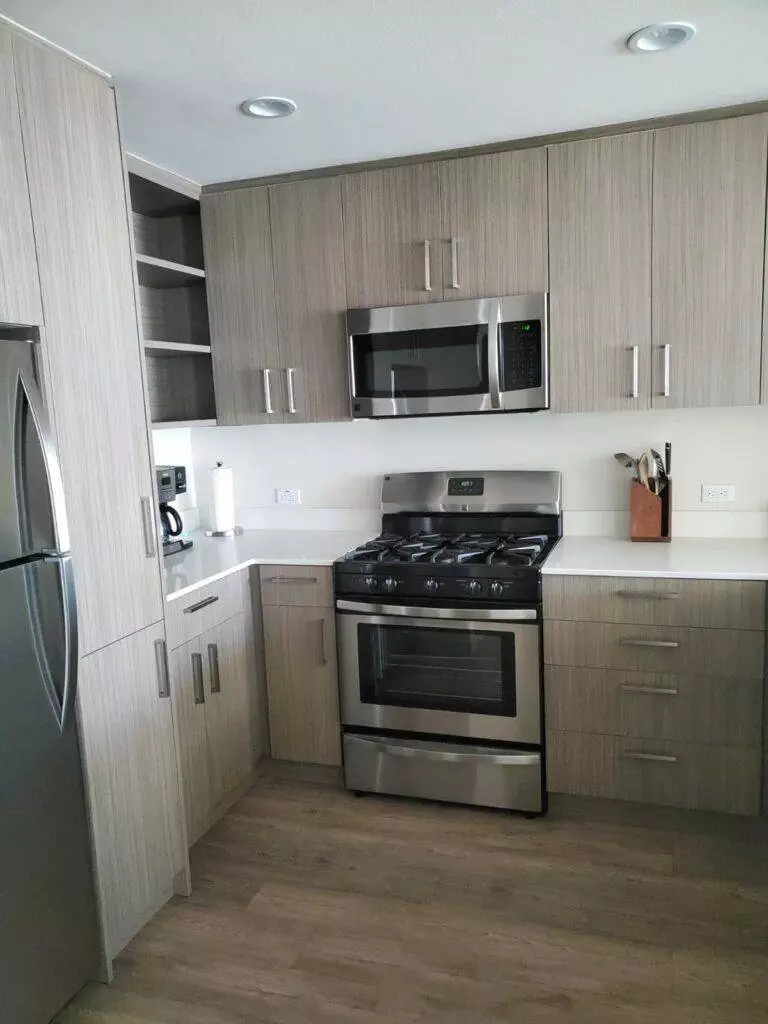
x=378, y=78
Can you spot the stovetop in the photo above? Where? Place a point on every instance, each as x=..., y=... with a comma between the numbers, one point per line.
x=501, y=550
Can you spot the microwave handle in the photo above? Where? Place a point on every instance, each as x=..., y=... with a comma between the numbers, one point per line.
x=494, y=354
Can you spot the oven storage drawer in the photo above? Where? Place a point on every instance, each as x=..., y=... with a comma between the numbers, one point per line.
x=487, y=776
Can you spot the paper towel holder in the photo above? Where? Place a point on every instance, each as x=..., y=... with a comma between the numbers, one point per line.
x=233, y=531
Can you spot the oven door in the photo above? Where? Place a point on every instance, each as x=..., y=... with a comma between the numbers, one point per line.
x=418, y=670
x=429, y=359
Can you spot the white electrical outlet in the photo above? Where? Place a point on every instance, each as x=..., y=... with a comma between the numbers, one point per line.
x=288, y=496
x=718, y=492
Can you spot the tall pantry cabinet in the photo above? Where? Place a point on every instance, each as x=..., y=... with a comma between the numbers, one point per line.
x=92, y=363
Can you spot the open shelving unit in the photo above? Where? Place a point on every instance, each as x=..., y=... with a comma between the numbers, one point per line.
x=168, y=245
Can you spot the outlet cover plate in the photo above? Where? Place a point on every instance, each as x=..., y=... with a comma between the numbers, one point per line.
x=718, y=492
x=288, y=496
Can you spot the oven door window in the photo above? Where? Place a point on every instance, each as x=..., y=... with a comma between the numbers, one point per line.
x=468, y=671
x=424, y=363
x=521, y=358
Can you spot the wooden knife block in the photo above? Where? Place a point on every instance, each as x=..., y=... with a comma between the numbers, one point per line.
x=650, y=515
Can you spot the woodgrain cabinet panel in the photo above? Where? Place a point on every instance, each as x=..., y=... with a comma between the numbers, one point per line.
x=494, y=224
x=727, y=604
x=309, y=586
x=600, y=273
x=91, y=340
x=709, y=190
x=197, y=612
x=389, y=214
x=132, y=781
x=20, y=301
x=311, y=297
x=189, y=691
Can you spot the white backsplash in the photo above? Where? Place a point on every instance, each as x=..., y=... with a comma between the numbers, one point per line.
x=338, y=466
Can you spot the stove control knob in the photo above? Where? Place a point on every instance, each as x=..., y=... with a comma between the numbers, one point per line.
x=390, y=584
x=497, y=589
x=474, y=587
x=431, y=585
x=370, y=583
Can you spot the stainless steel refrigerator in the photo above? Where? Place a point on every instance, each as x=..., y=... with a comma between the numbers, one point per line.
x=49, y=945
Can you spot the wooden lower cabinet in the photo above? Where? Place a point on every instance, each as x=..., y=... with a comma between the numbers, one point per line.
x=302, y=683
x=129, y=754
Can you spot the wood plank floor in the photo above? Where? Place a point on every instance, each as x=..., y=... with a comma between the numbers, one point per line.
x=311, y=907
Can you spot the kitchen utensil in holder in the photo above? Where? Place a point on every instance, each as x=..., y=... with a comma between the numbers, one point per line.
x=650, y=515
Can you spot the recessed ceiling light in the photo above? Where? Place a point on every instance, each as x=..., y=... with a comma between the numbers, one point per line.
x=663, y=36
x=268, y=106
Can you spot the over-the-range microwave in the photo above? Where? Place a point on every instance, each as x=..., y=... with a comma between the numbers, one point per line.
x=438, y=358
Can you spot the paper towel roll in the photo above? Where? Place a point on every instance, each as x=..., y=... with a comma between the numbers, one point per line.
x=222, y=498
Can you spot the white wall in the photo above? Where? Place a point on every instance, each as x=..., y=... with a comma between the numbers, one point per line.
x=338, y=466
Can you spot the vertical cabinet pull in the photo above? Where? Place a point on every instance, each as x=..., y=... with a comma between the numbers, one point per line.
x=454, y=263
x=213, y=666
x=148, y=523
x=323, y=652
x=266, y=383
x=427, y=267
x=665, y=356
x=289, y=374
x=161, y=667
x=197, y=678
x=635, y=392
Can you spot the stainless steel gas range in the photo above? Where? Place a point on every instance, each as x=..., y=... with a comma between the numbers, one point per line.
x=439, y=632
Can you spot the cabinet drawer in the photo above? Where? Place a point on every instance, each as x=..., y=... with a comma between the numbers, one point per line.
x=297, y=586
x=189, y=616
x=726, y=604
x=736, y=653
x=697, y=776
x=655, y=705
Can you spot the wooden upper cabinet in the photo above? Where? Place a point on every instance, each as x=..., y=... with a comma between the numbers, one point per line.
x=311, y=298
x=392, y=236
x=20, y=301
x=494, y=224
x=709, y=190
x=600, y=273
x=91, y=343
x=241, y=306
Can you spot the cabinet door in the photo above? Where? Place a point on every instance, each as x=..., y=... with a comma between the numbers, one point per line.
x=708, y=249
x=228, y=709
x=302, y=683
x=600, y=273
x=311, y=297
x=494, y=214
x=392, y=236
x=188, y=687
x=20, y=301
x=91, y=340
x=129, y=755
x=241, y=306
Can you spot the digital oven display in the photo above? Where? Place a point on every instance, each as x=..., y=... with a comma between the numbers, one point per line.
x=465, y=486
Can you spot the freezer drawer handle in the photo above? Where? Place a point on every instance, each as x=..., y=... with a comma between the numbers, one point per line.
x=638, y=755
x=201, y=604
x=213, y=665
x=291, y=579
x=645, y=595
x=628, y=641
x=197, y=678
x=455, y=755
x=161, y=663
x=669, y=691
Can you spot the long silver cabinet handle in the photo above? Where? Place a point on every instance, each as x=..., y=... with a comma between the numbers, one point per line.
x=201, y=604
x=291, y=579
x=454, y=263
x=427, y=267
x=627, y=641
x=639, y=755
x=213, y=666
x=197, y=678
x=161, y=664
x=635, y=392
x=668, y=691
x=420, y=753
x=148, y=523
x=645, y=595
x=289, y=375
x=323, y=653
x=266, y=383
x=665, y=355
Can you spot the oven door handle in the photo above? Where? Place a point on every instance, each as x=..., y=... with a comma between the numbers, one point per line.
x=467, y=614
x=425, y=754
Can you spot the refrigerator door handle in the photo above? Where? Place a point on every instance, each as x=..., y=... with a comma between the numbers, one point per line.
x=69, y=611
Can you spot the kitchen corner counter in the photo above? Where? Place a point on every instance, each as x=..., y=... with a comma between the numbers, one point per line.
x=211, y=558
x=705, y=558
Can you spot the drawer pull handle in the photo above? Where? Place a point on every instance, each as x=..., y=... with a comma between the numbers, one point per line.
x=197, y=678
x=638, y=755
x=213, y=667
x=291, y=579
x=627, y=641
x=454, y=756
x=668, y=691
x=645, y=595
x=201, y=604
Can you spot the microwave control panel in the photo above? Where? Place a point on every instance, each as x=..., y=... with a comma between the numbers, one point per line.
x=521, y=355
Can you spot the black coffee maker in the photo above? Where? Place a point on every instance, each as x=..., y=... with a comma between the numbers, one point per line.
x=171, y=481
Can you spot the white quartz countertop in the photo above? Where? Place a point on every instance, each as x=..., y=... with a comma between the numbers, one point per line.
x=211, y=558
x=695, y=558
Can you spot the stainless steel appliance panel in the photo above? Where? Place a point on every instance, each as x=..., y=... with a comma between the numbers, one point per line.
x=437, y=770
x=528, y=491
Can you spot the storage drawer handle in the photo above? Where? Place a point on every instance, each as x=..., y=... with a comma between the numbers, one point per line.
x=669, y=691
x=201, y=604
x=456, y=756
x=638, y=755
x=213, y=667
x=291, y=579
x=627, y=641
x=645, y=595
x=197, y=678
x=161, y=664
